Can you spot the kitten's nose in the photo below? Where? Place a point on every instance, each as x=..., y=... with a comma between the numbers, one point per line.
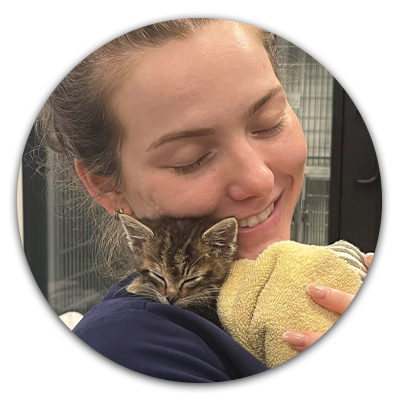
x=172, y=298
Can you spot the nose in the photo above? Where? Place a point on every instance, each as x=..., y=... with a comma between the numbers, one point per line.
x=172, y=297
x=250, y=175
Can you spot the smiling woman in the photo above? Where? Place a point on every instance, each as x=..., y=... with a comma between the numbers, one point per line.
x=208, y=115
x=184, y=118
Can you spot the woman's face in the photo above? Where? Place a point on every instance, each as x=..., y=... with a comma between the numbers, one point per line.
x=209, y=131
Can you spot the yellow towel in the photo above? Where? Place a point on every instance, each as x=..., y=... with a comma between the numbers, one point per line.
x=264, y=298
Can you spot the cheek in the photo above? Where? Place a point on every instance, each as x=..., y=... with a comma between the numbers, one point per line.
x=157, y=286
x=166, y=195
x=291, y=151
x=299, y=154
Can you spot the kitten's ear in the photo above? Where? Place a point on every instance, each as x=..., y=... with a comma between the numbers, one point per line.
x=222, y=237
x=136, y=233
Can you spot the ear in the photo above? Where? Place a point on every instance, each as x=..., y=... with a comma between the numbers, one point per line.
x=137, y=234
x=222, y=237
x=95, y=185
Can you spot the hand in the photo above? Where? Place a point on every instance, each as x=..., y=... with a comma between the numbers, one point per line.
x=332, y=299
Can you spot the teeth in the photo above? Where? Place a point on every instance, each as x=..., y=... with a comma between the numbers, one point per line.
x=256, y=219
x=242, y=223
x=252, y=221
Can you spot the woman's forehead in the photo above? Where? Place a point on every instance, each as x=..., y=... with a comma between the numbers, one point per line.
x=207, y=54
x=194, y=78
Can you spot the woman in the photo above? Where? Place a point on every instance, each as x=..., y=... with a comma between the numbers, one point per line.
x=183, y=118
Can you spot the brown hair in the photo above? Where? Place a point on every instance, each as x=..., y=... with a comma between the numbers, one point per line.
x=78, y=120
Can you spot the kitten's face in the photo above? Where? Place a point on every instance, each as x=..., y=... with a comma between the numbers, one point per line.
x=181, y=262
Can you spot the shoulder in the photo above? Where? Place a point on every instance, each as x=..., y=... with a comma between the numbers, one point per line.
x=164, y=341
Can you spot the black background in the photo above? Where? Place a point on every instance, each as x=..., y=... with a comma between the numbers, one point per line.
x=352, y=357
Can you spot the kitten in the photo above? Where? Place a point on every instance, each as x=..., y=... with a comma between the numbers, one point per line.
x=182, y=262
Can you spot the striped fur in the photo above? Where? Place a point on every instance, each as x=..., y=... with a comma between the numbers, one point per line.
x=351, y=254
x=181, y=261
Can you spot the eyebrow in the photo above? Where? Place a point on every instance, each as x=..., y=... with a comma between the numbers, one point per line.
x=256, y=106
x=204, y=132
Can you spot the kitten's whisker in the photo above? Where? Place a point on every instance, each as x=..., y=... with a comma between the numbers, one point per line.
x=148, y=292
x=145, y=290
x=203, y=255
x=205, y=295
x=201, y=298
x=124, y=287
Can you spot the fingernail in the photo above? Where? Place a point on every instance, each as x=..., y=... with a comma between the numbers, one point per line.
x=369, y=257
x=317, y=291
x=295, y=338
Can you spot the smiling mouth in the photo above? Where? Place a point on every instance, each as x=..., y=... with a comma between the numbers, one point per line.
x=256, y=219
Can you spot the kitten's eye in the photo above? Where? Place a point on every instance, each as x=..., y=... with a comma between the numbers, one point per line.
x=158, y=277
x=192, y=281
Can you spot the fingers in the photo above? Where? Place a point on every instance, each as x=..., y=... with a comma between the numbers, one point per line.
x=332, y=299
x=368, y=259
x=300, y=340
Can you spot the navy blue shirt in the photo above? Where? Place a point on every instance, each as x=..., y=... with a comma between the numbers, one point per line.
x=163, y=341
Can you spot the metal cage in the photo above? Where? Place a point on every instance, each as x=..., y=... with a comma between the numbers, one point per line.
x=309, y=89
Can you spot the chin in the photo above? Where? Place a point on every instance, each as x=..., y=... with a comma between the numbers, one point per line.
x=251, y=254
x=252, y=251
x=247, y=255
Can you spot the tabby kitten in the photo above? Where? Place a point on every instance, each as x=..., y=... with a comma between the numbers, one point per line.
x=182, y=262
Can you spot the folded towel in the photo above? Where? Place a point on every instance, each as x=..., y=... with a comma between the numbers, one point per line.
x=266, y=297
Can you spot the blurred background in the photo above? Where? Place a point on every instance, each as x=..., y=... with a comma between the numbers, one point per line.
x=341, y=196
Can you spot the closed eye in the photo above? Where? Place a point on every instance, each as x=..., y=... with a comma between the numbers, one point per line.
x=186, y=169
x=274, y=130
x=158, y=277
x=191, y=281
